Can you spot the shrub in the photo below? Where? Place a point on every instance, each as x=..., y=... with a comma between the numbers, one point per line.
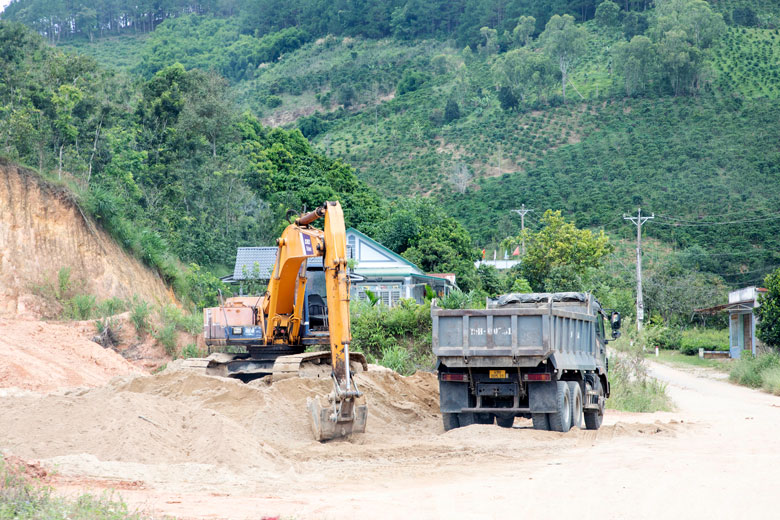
x=24, y=499
x=749, y=370
x=397, y=358
x=708, y=339
x=631, y=388
x=139, y=315
x=80, y=307
x=398, y=338
x=111, y=307
x=663, y=337
x=191, y=350
x=272, y=101
x=770, y=380
x=166, y=336
x=63, y=283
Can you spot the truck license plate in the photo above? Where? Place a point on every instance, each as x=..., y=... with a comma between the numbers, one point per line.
x=498, y=374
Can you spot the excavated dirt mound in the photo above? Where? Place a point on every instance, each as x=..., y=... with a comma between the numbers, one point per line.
x=190, y=445
x=184, y=417
x=43, y=230
x=45, y=357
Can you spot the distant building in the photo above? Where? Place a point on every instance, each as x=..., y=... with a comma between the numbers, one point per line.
x=742, y=319
x=388, y=275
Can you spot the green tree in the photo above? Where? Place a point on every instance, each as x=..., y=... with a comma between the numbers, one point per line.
x=684, y=30
x=65, y=100
x=768, y=312
x=559, y=251
x=208, y=109
x=490, y=280
x=451, y=111
x=526, y=25
x=426, y=235
x=635, y=62
x=607, y=14
x=491, y=40
x=564, y=41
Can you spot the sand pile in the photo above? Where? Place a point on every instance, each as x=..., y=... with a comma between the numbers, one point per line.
x=184, y=417
x=43, y=357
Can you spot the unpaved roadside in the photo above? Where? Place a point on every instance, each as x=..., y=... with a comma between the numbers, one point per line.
x=715, y=457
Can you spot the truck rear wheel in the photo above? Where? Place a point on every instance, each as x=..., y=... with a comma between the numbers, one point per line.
x=541, y=421
x=593, y=419
x=505, y=421
x=576, y=404
x=466, y=419
x=450, y=421
x=484, y=418
x=560, y=421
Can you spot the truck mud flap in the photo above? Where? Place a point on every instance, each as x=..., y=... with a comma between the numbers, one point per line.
x=453, y=397
x=542, y=396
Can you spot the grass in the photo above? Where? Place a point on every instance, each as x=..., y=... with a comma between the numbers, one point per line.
x=762, y=371
x=22, y=498
x=675, y=358
x=632, y=389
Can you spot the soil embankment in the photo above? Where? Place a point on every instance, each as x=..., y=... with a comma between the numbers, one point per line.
x=43, y=230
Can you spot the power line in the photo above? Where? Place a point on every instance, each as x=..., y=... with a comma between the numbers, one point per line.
x=690, y=223
x=522, y=212
x=639, y=221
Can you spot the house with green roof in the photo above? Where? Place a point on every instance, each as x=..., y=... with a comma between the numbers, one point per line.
x=388, y=275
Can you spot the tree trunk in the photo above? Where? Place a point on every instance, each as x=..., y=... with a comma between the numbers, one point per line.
x=59, y=167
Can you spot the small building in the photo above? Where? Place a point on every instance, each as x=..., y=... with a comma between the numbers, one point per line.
x=742, y=320
x=386, y=274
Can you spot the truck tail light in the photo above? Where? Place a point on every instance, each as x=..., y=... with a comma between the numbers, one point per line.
x=536, y=377
x=454, y=377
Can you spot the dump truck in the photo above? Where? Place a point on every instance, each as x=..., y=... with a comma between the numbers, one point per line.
x=538, y=355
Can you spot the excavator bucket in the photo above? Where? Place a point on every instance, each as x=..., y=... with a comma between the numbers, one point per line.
x=331, y=419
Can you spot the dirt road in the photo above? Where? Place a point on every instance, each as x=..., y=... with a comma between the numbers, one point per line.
x=199, y=452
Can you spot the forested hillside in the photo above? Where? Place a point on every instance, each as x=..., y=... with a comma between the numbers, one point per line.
x=590, y=107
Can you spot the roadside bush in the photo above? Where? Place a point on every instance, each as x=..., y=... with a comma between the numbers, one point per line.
x=458, y=299
x=770, y=380
x=663, y=337
x=398, y=338
x=631, y=388
x=708, y=339
x=750, y=370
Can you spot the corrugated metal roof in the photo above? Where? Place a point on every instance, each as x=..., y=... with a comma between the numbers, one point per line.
x=258, y=262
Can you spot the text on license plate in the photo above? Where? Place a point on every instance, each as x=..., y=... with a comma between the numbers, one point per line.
x=498, y=374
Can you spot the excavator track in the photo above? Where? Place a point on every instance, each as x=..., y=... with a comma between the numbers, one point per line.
x=313, y=365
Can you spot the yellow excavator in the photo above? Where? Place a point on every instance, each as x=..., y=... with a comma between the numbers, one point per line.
x=273, y=331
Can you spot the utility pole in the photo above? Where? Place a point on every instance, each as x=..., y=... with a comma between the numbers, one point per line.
x=638, y=221
x=522, y=212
